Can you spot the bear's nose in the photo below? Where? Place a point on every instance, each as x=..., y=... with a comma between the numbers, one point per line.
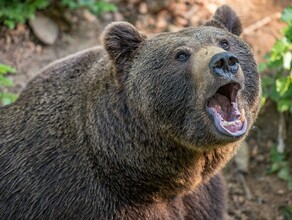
x=224, y=63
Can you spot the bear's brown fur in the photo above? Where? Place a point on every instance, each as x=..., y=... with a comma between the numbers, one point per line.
x=125, y=131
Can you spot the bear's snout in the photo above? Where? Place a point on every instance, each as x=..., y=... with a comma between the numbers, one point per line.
x=224, y=64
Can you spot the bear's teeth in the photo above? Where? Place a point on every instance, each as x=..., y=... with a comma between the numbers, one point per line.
x=225, y=123
x=228, y=123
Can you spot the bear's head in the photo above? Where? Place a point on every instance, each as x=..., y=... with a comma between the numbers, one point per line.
x=199, y=86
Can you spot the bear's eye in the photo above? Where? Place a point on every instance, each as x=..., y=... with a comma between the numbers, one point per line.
x=224, y=44
x=182, y=56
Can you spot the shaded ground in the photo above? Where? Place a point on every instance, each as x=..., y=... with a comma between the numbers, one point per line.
x=254, y=195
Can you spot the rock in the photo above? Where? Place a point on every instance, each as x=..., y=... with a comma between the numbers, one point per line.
x=260, y=158
x=89, y=16
x=162, y=20
x=143, y=8
x=118, y=16
x=174, y=28
x=181, y=21
x=241, y=200
x=242, y=157
x=44, y=29
x=156, y=6
x=38, y=49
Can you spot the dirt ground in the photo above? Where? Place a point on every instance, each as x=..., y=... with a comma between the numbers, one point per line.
x=253, y=195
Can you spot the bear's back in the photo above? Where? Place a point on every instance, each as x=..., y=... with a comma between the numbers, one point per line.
x=61, y=87
x=41, y=139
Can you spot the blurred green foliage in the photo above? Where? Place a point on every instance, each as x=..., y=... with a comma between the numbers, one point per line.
x=13, y=12
x=280, y=166
x=279, y=86
x=287, y=211
x=95, y=7
x=6, y=97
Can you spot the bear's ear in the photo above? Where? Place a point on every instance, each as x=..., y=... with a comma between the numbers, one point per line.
x=120, y=40
x=226, y=18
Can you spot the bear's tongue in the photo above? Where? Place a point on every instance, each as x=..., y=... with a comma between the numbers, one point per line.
x=226, y=114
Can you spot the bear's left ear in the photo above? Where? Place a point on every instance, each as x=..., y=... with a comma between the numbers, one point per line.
x=120, y=40
x=226, y=18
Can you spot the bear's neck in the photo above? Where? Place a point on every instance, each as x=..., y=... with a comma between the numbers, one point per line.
x=143, y=165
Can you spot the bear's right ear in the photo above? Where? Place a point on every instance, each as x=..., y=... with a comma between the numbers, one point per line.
x=120, y=40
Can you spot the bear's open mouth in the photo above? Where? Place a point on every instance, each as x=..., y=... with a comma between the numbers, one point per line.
x=223, y=108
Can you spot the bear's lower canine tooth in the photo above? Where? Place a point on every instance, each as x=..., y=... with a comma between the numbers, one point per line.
x=242, y=116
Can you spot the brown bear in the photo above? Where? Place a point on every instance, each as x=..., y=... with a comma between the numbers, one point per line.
x=137, y=129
